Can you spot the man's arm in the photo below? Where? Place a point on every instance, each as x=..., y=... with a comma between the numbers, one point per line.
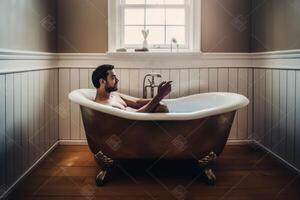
x=151, y=105
x=134, y=102
x=163, y=90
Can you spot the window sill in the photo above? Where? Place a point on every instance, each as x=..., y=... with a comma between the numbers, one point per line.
x=156, y=54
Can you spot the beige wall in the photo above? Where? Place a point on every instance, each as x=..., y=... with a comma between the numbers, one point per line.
x=28, y=25
x=276, y=25
x=82, y=26
x=225, y=26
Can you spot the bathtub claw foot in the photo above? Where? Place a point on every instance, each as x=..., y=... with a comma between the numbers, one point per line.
x=210, y=176
x=206, y=164
x=103, y=161
x=207, y=160
x=101, y=178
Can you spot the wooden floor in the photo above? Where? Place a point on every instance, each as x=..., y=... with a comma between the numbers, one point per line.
x=242, y=173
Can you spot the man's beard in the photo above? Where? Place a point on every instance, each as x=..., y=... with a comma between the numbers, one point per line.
x=110, y=88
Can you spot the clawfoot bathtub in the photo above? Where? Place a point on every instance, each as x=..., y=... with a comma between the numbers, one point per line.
x=197, y=127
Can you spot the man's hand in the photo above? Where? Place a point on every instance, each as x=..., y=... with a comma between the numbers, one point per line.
x=164, y=89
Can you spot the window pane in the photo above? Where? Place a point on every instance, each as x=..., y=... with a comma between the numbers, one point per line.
x=134, y=16
x=156, y=34
x=134, y=1
x=154, y=2
x=133, y=35
x=155, y=16
x=181, y=2
x=175, y=16
x=177, y=32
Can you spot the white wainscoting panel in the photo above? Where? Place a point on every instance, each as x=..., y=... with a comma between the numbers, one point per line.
x=277, y=112
x=28, y=121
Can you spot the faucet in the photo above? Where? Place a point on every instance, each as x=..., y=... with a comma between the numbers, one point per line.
x=151, y=84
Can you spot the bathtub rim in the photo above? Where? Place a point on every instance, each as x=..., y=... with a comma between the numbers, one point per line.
x=239, y=102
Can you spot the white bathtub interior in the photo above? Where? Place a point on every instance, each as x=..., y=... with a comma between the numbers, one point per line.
x=183, y=108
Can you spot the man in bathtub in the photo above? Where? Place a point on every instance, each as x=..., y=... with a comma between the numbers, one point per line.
x=106, y=82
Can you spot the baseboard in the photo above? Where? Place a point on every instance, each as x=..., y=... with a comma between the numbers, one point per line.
x=27, y=172
x=238, y=142
x=73, y=142
x=84, y=142
x=287, y=164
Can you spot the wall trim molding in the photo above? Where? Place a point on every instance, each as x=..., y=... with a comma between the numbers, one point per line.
x=28, y=171
x=9, y=70
x=283, y=54
x=7, y=54
x=154, y=60
x=12, y=61
x=18, y=61
x=290, y=59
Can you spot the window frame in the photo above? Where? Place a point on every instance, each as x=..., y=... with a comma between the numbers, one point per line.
x=116, y=28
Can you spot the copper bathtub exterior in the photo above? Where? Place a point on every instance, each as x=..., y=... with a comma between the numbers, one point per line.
x=120, y=138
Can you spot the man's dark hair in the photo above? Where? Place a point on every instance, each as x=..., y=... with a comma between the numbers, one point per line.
x=100, y=72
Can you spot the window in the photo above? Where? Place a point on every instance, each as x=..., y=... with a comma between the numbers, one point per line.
x=165, y=20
